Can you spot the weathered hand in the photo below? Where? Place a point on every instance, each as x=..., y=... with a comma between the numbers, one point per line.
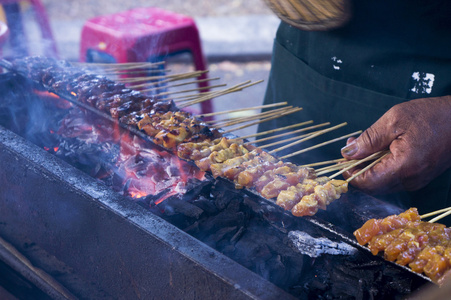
x=418, y=134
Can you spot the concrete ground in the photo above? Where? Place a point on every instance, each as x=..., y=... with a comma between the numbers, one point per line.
x=236, y=35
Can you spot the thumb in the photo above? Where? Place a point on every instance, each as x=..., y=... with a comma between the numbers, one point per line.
x=374, y=139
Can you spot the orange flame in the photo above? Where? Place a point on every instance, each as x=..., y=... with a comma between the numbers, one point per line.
x=53, y=98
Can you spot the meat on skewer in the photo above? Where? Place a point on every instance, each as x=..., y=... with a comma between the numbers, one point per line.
x=288, y=198
x=322, y=196
x=425, y=247
x=295, y=188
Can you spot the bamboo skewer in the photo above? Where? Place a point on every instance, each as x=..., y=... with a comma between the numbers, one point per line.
x=236, y=88
x=366, y=168
x=263, y=120
x=242, y=109
x=210, y=95
x=358, y=162
x=335, y=167
x=329, y=169
x=170, y=77
x=159, y=83
x=185, y=98
x=120, y=65
x=250, y=116
x=324, y=162
x=125, y=72
x=322, y=144
x=263, y=116
x=287, y=133
x=121, y=68
x=435, y=213
x=159, y=86
x=440, y=216
x=290, y=139
x=276, y=130
x=234, y=121
x=190, y=90
x=308, y=138
x=214, y=94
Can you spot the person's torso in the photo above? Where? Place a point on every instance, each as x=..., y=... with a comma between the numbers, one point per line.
x=400, y=48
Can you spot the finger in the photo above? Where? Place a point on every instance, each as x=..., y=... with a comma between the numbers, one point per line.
x=381, y=178
x=350, y=140
x=376, y=138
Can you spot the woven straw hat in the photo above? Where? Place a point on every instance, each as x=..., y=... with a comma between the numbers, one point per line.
x=312, y=14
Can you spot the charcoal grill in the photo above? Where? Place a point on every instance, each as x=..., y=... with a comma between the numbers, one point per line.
x=99, y=244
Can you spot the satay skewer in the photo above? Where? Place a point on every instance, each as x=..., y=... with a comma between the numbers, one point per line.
x=264, y=120
x=250, y=116
x=435, y=213
x=287, y=133
x=327, y=162
x=173, y=77
x=356, y=163
x=190, y=97
x=116, y=73
x=322, y=144
x=238, y=120
x=242, y=109
x=440, y=216
x=295, y=138
x=235, y=121
x=366, y=168
x=237, y=87
x=159, y=84
x=265, y=146
x=204, y=96
x=119, y=65
x=190, y=90
x=335, y=167
x=308, y=138
x=290, y=139
x=276, y=130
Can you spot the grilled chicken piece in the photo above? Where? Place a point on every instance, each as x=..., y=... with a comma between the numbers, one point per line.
x=320, y=198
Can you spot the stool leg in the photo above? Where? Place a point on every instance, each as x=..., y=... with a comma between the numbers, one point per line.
x=201, y=64
x=43, y=21
x=17, y=37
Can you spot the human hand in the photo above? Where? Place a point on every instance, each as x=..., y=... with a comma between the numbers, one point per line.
x=418, y=134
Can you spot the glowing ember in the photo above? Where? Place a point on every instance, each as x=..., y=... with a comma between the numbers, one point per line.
x=139, y=169
x=53, y=99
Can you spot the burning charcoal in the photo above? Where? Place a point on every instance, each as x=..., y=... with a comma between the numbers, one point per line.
x=175, y=205
x=314, y=247
x=238, y=235
x=221, y=233
x=195, y=187
x=206, y=204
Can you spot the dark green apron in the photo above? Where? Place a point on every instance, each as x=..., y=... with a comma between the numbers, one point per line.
x=358, y=72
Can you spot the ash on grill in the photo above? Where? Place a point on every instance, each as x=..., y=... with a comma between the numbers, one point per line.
x=240, y=225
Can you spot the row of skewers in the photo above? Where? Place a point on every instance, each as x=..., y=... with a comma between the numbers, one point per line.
x=404, y=238
x=425, y=247
x=300, y=189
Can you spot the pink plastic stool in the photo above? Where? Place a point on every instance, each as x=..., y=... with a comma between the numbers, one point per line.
x=139, y=34
x=41, y=19
x=3, y=37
